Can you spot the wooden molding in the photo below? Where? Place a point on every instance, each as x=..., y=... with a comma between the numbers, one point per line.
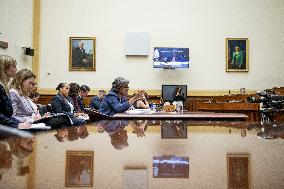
x=157, y=92
x=36, y=37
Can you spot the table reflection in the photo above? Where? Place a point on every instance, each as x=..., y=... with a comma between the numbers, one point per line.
x=40, y=157
x=15, y=147
x=71, y=133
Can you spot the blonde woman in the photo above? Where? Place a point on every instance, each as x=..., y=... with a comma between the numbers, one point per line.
x=24, y=109
x=8, y=69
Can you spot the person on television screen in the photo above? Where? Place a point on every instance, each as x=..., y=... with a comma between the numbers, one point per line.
x=176, y=57
x=156, y=55
x=178, y=94
x=237, y=59
x=115, y=101
x=79, y=56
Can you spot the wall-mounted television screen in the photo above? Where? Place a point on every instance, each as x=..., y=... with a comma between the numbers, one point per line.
x=173, y=129
x=168, y=58
x=170, y=167
x=169, y=93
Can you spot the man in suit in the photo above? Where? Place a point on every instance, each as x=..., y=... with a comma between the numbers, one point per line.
x=79, y=56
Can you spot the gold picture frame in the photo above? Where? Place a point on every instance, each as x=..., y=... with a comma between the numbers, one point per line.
x=238, y=171
x=82, y=54
x=237, y=55
x=79, y=169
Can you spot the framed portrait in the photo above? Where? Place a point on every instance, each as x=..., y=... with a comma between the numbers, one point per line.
x=238, y=170
x=82, y=54
x=237, y=55
x=79, y=168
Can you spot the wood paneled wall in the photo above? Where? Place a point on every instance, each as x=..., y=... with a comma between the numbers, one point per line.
x=224, y=104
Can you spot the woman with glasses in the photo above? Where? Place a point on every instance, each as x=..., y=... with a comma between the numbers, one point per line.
x=115, y=101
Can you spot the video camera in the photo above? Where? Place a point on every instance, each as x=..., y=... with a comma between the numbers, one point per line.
x=271, y=104
x=270, y=101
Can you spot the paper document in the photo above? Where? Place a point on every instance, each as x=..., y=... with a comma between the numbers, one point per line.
x=140, y=111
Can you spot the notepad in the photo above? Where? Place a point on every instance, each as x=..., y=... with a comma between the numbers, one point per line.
x=40, y=126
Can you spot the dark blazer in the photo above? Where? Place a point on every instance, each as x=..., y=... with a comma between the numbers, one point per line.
x=78, y=56
x=59, y=105
x=80, y=103
x=6, y=110
x=179, y=98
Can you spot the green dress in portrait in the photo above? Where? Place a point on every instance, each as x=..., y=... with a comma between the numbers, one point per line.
x=238, y=59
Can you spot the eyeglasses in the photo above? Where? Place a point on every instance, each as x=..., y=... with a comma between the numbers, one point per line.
x=125, y=87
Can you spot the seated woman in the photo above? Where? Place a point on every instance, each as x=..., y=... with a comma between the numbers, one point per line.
x=24, y=109
x=142, y=103
x=8, y=70
x=115, y=101
x=75, y=99
x=61, y=103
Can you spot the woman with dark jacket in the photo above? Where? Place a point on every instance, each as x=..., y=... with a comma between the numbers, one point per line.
x=61, y=103
x=179, y=95
x=8, y=70
x=115, y=101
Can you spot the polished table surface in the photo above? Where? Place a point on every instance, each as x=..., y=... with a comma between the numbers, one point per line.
x=89, y=155
x=184, y=115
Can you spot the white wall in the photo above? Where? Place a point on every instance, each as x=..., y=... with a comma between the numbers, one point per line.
x=206, y=151
x=16, y=28
x=201, y=25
